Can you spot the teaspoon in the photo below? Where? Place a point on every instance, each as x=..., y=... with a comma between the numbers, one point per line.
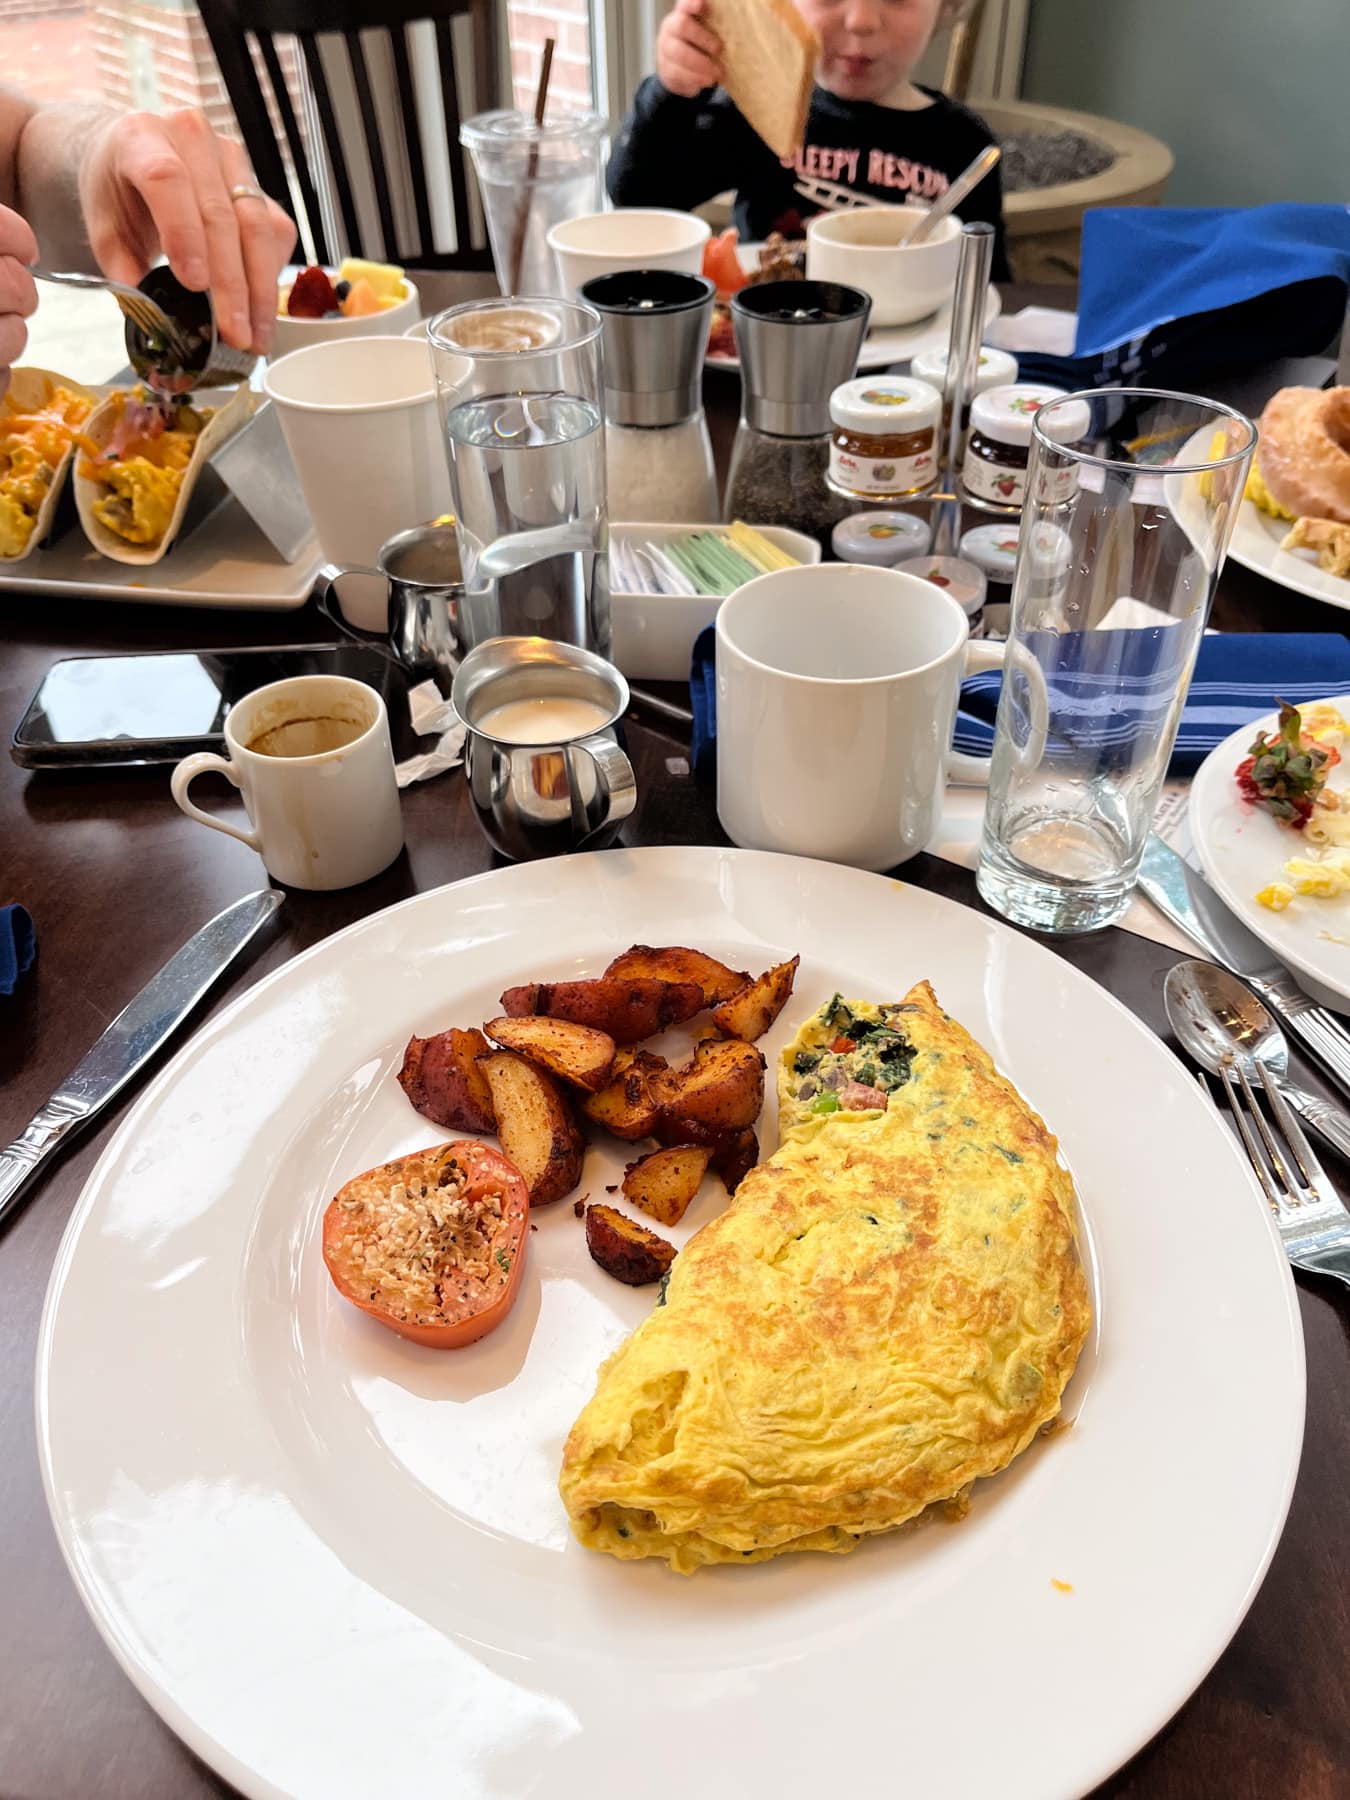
x=1220, y=1022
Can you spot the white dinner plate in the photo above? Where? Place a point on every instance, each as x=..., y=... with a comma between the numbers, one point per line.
x=1256, y=545
x=887, y=344
x=1243, y=849
x=337, y=1564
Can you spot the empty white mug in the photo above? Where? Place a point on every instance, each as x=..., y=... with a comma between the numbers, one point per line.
x=837, y=688
x=312, y=759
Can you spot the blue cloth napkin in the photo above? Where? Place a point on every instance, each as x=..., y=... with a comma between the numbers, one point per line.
x=1110, y=684
x=1170, y=294
x=18, y=944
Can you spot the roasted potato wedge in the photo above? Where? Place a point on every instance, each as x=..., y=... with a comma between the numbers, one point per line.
x=628, y=1010
x=749, y=1014
x=535, y=1126
x=441, y=1077
x=672, y=963
x=734, y=1156
x=664, y=1183
x=578, y=1053
x=625, y=1249
x=629, y=1106
x=722, y=1088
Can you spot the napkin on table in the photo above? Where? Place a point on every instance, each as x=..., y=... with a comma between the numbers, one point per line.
x=18, y=945
x=1114, y=682
x=1118, y=685
x=1171, y=294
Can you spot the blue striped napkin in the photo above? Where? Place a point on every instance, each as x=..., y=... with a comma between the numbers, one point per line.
x=1108, y=685
x=18, y=945
x=1124, y=688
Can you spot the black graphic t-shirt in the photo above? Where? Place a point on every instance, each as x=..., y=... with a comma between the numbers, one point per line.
x=679, y=153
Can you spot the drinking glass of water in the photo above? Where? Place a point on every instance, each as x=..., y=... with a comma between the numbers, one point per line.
x=522, y=402
x=1123, y=535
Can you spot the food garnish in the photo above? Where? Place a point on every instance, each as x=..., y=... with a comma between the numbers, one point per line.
x=431, y=1245
x=1285, y=774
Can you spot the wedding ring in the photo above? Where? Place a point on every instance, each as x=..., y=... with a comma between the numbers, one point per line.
x=245, y=190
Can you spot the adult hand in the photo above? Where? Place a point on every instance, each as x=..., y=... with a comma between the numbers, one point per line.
x=688, y=55
x=152, y=184
x=18, y=295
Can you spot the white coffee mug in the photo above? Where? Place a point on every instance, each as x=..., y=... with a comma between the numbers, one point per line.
x=312, y=759
x=837, y=689
x=362, y=424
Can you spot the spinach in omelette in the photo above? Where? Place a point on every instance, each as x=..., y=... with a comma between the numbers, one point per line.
x=890, y=1307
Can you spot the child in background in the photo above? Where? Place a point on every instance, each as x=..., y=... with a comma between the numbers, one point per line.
x=870, y=127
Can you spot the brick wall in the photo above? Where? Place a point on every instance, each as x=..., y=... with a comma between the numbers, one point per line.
x=155, y=55
x=529, y=22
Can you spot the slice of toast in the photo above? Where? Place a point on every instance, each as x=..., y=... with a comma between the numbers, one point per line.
x=769, y=57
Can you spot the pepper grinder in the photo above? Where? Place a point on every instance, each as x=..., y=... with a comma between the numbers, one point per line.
x=654, y=331
x=798, y=341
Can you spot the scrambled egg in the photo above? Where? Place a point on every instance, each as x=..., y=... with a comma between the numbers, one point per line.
x=32, y=445
x=143, y=473
x=141, y=500
x=890, y=1307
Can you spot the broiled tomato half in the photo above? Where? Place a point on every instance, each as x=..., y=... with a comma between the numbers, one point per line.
x=433, y=1244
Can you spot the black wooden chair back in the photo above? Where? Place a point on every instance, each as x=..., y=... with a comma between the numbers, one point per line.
x=267, y=120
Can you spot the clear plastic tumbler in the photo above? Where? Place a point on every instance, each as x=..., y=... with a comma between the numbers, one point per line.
x=1123, y=536
x=532, y=177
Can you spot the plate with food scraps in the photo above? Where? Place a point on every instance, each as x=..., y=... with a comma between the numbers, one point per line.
x=281, y=1514
x=1246, y=852
x=881, y=348
x=1258, y=544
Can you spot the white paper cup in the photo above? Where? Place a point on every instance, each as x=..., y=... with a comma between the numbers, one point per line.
x=836, y=696
x=633, y=238
x=363, y=428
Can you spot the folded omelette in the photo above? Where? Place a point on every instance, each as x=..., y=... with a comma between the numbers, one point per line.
x=890, y=1307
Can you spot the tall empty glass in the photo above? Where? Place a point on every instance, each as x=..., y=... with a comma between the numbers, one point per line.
x=1123, y=536
x=521, y=397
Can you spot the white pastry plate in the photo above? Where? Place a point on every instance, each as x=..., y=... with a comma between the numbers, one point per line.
x=1256, y=545
x=1243, y=849
x=225, y=561
x=885, y=345
x=337, y=1564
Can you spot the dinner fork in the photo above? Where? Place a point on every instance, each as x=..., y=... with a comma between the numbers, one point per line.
x=1312, y=1221
x=149, y=318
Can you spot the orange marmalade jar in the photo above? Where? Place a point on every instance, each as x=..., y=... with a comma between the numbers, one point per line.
x=885, y=437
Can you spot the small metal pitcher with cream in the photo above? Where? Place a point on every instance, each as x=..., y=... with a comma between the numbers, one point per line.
x=545, y=771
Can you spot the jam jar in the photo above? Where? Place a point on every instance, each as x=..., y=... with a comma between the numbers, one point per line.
x=879, y=537
x=997, y=453
x=885, y=437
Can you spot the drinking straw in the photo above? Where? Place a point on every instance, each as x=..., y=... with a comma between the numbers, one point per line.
x=532, y=167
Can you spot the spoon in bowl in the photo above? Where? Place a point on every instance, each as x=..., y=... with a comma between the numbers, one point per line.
x=1220, y=1022
x=970, y=177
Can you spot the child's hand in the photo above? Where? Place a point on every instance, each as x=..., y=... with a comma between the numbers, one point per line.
x=688, y=55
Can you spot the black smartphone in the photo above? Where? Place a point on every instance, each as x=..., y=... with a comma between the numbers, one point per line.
x=159, y=706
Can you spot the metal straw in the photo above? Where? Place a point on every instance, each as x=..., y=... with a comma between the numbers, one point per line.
x=963, y=360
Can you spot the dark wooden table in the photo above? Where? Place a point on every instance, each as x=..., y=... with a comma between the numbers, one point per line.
x=117, y=878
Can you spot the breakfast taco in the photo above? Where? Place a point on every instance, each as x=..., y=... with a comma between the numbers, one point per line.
x=40, y=417
x=141, y=456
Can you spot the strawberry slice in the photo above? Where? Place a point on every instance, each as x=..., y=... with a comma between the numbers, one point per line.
x=312, y=296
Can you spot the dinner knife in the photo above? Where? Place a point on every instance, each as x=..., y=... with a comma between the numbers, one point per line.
x=134, y=1036
x=1187, y=899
